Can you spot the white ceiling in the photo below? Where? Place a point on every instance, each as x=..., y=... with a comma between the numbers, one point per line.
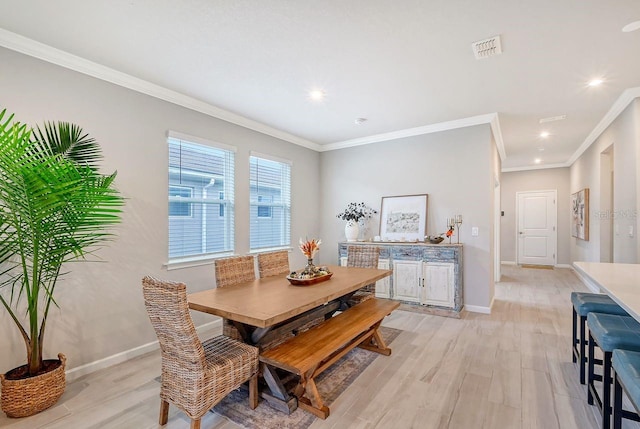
x=401, y=64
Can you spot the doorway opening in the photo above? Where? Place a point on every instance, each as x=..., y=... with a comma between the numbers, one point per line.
x=606, y=205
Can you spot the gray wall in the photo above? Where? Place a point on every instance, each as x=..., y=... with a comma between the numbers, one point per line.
x=624, y=135
x=534, y=180
x=454, y=167
x=102, y=311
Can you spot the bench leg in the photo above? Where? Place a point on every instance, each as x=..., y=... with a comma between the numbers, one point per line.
x=311, y=400
x=376, y=343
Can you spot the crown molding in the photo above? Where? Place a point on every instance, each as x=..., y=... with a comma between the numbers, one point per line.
x=616, y=109
x=536, y=167
x=24, y=45
x=410, y=132
x=497, y=135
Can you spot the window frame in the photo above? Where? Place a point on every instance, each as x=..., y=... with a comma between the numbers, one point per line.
x=284, y=203
x=228, y=204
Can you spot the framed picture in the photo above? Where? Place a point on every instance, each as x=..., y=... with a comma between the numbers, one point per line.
x=403, y=218
x=580, y=214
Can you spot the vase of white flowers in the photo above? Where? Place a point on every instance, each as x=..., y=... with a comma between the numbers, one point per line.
x=354, y=214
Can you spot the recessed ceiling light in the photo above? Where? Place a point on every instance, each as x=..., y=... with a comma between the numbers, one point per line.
x=316, y=94
x=595, y=82
x=631, y=27
x=537, y=160
x=544, y=134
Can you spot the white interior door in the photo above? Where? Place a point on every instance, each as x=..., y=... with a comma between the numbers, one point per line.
x=537, y=235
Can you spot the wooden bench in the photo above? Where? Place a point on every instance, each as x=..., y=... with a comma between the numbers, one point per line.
x=313, y=351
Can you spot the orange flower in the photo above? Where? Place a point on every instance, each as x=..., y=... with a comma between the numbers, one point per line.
x=310, y=247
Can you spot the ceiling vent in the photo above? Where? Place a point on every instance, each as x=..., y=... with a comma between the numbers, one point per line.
x=487, y=48
x=553, y=119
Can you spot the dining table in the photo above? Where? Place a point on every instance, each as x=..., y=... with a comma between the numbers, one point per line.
x=620, y=281
x=266, y=309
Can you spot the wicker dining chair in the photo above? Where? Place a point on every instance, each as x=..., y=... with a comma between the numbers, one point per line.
x=273, y=263
x=195, y=375
x=229, y=272
x=363, y=257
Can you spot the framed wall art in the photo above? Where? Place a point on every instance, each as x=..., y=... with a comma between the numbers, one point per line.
x=404, y=218
x=580, y=214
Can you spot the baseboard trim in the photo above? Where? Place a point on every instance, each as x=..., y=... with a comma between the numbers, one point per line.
x=593, y=287
x=508, y=262
x=563, y=266
x=117, y=358
x=478, y=308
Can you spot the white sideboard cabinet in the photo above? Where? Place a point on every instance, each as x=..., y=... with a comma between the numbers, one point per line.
x=427, y=275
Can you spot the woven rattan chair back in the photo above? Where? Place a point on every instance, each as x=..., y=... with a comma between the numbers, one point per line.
x=195, y=375
x=363, y=256
x=273, y=263
x=167, y=306
x=231, y=271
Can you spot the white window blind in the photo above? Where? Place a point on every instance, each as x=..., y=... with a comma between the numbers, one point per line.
x=201, y=204
x=270, y=203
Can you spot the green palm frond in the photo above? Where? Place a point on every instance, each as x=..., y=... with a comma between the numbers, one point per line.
x=54, y=207
x=71, y=141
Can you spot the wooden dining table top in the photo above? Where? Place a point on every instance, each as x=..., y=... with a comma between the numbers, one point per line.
x=267, y=301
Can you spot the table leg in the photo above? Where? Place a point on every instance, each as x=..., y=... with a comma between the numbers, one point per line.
x=277, y=397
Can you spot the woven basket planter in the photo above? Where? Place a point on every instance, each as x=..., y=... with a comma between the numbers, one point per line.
x=29, y=396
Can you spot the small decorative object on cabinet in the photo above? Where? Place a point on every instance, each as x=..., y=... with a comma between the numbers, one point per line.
x=426, y=277
x=458, y=221
x=351, y=230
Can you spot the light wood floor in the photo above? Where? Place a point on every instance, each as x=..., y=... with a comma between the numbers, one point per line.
x=508, y=370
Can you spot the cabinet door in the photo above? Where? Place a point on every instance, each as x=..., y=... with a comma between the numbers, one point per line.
x=382, y=286
x=439, y=284
x=406, y=280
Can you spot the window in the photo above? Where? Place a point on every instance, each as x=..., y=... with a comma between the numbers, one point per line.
x=200, y=195
x=264, y=211
x=177, y=208
x=270, y=202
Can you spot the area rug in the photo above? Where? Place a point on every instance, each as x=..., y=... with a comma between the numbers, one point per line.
x=331, y=384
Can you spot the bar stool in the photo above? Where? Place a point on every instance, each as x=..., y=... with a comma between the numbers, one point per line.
x=609, y=332
x=626, y=365
x=583, y=304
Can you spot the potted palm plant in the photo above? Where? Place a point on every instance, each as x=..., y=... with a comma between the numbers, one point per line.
x=55, y=207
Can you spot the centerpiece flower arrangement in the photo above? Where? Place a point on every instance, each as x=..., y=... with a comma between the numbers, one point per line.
x=309, y=248
x=353, y=214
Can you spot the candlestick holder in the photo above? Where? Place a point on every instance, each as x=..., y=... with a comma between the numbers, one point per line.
x=458, y=222
x=451, y=224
